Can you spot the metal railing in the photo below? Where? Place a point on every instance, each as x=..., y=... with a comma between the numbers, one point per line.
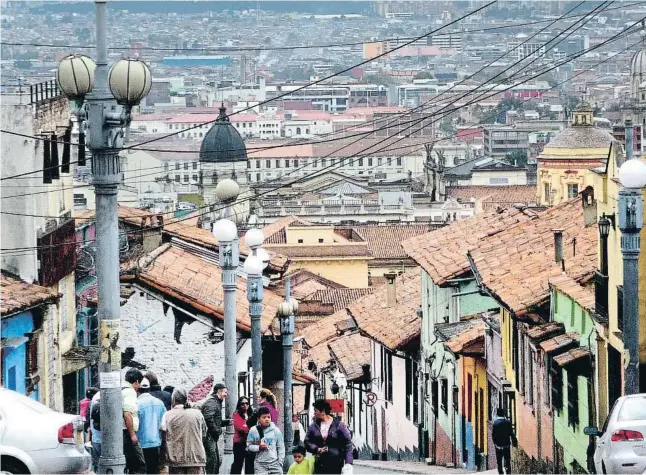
x=44, y=91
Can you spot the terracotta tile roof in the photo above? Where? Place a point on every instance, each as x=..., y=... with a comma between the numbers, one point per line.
x=573, y=355
x=275, y=232
x=18, y=296
x=392, y=326
x=340, y=298
x=204, y=237
x=325, y=329
x=304, y=283
x=448, y=331
x=443, y=252
x=584, y=296
x=560, y=343
x=545, y=331
x=516, y=264
x=384, y=241
x=352, y=352
x=133, y=216
x=199, y=283
x=492, y=196
x=295, y=251
x=470, y=341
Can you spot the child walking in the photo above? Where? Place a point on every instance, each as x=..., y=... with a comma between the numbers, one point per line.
x=266, y=441
x=301, y=465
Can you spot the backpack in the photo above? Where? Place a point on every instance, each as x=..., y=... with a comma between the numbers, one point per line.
x=95, y=415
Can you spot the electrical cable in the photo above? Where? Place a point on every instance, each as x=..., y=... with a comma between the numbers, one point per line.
x=297, y=47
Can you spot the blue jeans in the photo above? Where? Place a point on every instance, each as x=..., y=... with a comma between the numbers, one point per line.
x=96, y=453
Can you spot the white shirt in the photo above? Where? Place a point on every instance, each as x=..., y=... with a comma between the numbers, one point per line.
x=325, y=428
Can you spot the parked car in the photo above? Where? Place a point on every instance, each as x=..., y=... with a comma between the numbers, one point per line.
x=621, y=447
x=36, y=439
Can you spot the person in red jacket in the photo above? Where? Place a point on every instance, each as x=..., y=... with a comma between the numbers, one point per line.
x=240, y=432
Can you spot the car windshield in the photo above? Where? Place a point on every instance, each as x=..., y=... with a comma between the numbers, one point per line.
x=11, y=397
x=633, y=409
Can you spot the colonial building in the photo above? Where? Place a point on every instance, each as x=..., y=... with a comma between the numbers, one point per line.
x=563, y=163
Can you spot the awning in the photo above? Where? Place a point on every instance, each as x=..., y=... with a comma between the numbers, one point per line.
x=545, y=331
x=572, y=356
x=560, y=343
x=469, y=342
x=80, y=357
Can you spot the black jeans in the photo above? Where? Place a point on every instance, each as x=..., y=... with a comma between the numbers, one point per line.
x=241, y=456
x=151, y=455
x=212, y=455
x=503, y=456
x=135, y=462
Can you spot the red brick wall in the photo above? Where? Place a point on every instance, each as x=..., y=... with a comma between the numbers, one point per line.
x=445, y=452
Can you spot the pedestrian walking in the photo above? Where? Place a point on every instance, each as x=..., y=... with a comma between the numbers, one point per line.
x=157, y=391
x=135, y=462
x=84, y=406
x=95, y=429
x=151, y=411
x=503, y=438
x=183, y=430
x=302, y=465
x=266, y=441
x=298, y=430
x=212, y=411
x=240, y=432
x=267, y=399
x=329, y=440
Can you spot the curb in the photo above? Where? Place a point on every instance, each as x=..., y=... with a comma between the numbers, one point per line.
x=417, y=471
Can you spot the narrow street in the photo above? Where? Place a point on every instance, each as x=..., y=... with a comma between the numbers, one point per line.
x=374, y=466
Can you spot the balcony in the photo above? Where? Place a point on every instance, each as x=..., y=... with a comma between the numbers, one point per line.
x=601, y=294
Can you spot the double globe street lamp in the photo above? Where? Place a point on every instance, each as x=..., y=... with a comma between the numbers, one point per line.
x=103, y=102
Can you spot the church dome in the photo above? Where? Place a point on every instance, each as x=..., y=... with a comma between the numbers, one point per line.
x=638, y=67
x=581, y=141
x=223, y=143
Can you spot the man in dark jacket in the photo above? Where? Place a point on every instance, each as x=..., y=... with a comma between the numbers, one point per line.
x=503, y=437
x=156, y=390
x=212, y=412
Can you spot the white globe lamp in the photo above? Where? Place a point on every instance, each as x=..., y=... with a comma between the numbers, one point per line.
x=225, y=230
x=227, y=190
x=75, y=75
x=263, y=256
x=130, y=81
x=632, y=173
x=254, y=237
x=253, y=266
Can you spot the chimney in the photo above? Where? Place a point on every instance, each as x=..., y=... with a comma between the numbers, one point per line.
x=558, y=245
x=391, y=288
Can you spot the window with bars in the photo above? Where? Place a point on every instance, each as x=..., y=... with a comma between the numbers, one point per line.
x=435, y=396
x=444, y=388
x=620, y=307
x=557, y=387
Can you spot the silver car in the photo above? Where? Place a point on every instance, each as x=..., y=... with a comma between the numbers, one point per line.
x=36, y=439
x=621, y=447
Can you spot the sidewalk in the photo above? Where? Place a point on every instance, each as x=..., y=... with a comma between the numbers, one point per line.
x=412, y=467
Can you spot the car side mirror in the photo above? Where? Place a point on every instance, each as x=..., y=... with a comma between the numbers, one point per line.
x=592, y=431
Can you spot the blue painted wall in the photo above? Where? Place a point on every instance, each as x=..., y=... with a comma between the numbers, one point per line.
x=14, y=360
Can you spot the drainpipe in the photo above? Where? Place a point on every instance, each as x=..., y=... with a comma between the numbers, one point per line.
x=558, y=247
x=391, y=290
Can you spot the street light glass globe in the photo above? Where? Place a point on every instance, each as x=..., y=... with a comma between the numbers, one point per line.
x=632, y=174
x=75, y=75
x=227, y=190
x=263, y=256
x=254, y=237
x=129, y=81
x=225, y=230
x=253, y=266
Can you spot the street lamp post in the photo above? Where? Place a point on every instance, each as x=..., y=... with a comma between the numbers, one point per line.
x=104, y=102
x=253, y=267
x=226, y=233
x=632, y=176
x=286, y=311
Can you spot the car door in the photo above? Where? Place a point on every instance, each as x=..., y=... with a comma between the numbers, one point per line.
x=603, y=442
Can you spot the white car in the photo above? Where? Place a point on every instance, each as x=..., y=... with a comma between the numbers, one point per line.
x=36, y=439
x=621, y=447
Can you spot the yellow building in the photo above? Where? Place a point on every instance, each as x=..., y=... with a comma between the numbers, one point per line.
x=320, y=250
x=565, y=159
x=610, y=347
x=374, y=49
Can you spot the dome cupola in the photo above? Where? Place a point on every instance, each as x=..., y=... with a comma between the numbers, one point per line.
x=223, y=143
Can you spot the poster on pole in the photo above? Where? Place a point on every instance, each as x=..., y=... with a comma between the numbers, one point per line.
x=110, y=380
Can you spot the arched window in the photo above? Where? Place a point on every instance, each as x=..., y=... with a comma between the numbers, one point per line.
x=214, y=178
x=298, y=131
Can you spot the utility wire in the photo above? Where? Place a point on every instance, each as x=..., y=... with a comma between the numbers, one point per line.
x=297, y=47
x=192, y=215
x=518, y=72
